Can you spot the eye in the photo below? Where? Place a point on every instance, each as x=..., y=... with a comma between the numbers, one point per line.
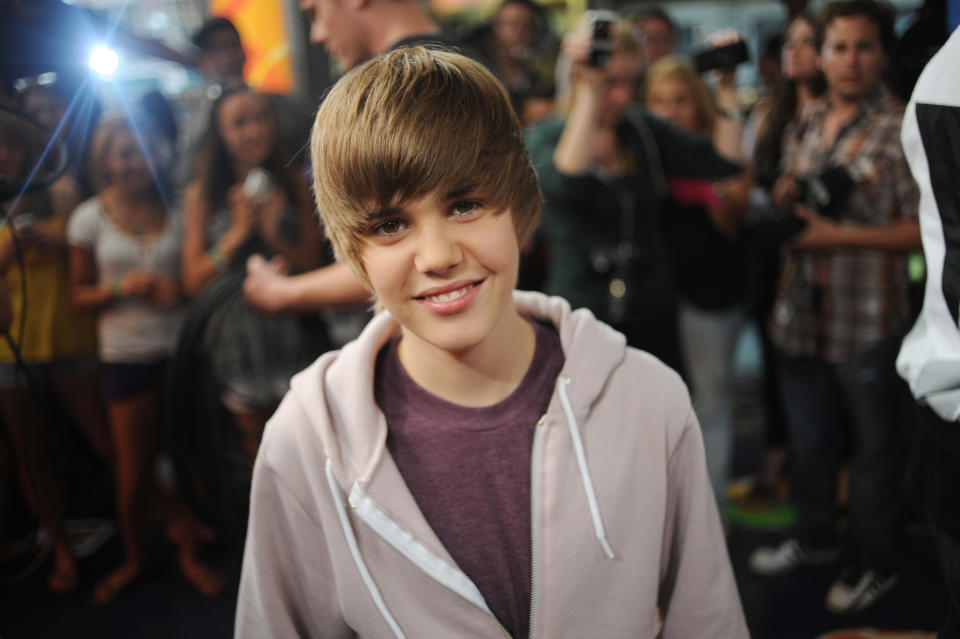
x=466, y=208
x=388, y=228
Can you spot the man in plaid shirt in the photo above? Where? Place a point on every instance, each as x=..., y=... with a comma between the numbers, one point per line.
x=842, y=310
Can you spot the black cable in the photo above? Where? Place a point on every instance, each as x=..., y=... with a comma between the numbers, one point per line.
x=10, y=188
x=34, y=535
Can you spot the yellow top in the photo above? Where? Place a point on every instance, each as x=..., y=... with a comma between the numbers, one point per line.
x=53, y=329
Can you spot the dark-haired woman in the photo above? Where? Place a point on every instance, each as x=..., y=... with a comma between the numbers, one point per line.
x=247, y=200
x=800, y=81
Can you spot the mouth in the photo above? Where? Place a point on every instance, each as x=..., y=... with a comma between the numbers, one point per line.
x=450, y=299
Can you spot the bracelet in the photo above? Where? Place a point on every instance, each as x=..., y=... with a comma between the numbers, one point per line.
x=734, y=115
x=116, y=287
x=217, y=257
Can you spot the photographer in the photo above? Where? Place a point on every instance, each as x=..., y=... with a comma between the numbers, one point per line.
x=842, y=308
x=603, y=172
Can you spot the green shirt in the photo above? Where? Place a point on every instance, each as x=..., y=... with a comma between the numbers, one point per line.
x=583, y=223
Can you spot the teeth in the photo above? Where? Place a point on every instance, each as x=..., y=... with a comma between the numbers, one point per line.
x=449, y=297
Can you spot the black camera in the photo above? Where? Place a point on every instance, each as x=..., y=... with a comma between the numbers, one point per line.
x=826, y=194
x=601, y=46
x=722, y=57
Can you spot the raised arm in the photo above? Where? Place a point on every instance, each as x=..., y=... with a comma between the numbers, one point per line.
x=574, y=152
x=303, y=251
x=200, y=263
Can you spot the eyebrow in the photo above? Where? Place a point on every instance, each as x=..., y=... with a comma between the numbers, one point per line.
x=460, y=192
x=375, y=215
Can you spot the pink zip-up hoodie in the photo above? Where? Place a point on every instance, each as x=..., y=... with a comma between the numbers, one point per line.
x=626, y=540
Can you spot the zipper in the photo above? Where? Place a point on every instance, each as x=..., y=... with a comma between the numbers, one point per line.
x=534, y=473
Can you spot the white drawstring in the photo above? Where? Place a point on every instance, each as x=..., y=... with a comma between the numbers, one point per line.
x=598, y=529
x=355, y=551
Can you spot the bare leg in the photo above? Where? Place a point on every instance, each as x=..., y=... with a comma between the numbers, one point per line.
x=133, y=423
x=37, y=473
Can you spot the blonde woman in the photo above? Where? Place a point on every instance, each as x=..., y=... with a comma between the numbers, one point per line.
x=125, y=264
x=700, y=224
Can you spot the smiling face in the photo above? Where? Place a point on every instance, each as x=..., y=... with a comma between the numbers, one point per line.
x=445, y=266
x=247, y=128
x=852, y=57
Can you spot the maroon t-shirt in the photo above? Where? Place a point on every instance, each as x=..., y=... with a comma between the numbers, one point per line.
x=469, y=471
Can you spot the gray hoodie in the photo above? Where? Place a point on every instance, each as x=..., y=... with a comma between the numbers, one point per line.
x=626, y=540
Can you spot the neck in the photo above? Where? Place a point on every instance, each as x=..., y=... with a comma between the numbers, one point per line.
x=129, y=198
x=396, y=20
x=240, y=170
x=482, y=376
x=844, y=106
x=804, y=94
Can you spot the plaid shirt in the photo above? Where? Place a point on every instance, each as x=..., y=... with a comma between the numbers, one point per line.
x=833, y=304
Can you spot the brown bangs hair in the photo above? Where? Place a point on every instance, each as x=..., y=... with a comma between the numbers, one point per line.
x=407, y=123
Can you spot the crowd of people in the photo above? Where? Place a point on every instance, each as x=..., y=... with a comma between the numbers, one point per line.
x=165, y=290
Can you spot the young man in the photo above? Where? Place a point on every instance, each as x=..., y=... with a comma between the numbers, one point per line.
x=841, y=311
x=479, y=462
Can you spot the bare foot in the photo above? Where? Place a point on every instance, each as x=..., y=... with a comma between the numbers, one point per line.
x=64, y=577
x=206, y=580
x=113, y=584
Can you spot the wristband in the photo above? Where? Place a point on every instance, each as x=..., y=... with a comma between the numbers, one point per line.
x=217, y=257
x=116, y=288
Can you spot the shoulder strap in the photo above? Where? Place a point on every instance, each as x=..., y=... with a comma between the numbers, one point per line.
x=648, y=147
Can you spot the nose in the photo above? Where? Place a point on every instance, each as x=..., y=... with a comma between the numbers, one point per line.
x=318, y=32
x=438, y=249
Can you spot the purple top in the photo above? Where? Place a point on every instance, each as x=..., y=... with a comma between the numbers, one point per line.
x=469, y=471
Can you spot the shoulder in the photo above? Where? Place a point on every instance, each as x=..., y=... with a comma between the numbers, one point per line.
x=647, y=389
x=291, y=446
x=545, y=131
x=84, y=224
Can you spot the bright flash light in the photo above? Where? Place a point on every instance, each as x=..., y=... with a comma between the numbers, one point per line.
x=103, y=60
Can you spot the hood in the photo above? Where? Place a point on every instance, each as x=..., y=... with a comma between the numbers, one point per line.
x=337, y=390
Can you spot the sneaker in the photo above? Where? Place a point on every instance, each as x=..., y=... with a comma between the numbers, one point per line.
x=787, y=556
x=856, y=589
